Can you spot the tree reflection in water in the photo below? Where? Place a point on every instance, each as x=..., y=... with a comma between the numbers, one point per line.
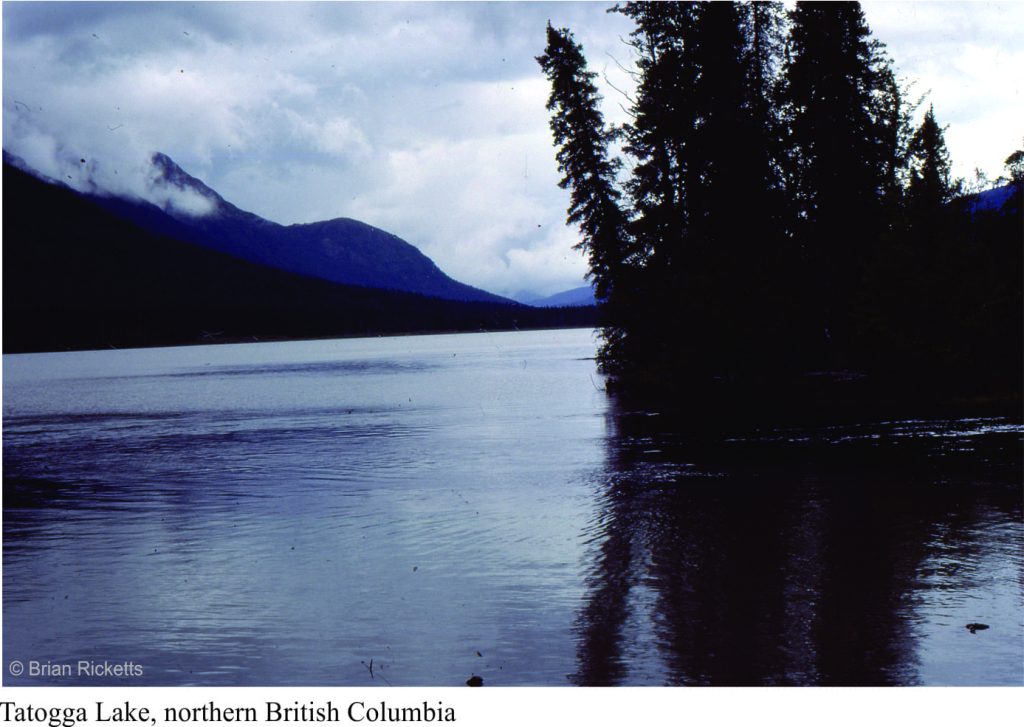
x=791, y=557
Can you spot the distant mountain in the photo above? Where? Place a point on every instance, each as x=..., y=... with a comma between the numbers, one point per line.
x=340, y=250
x=526, y=297
x=81, y=271
x=577, y=296
x=991, y=199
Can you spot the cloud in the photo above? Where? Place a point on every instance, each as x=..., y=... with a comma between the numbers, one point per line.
x=969, y=59
x=425, y=119
x=435, y=192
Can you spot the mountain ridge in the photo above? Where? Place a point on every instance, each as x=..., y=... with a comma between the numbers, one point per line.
x=339, y=250
x=583, y=295
x=77, y=275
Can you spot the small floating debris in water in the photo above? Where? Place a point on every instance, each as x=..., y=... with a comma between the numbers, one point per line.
x=973, y=628
x=415, y=568
x=475, y=681
x=479, y=654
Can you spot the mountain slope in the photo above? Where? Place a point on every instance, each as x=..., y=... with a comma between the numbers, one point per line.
x=340, y=250
x=583, y=295
x=991, y=199
x=77, y=275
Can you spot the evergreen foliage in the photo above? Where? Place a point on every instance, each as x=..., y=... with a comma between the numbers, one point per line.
x=931, y=183
x=590, y=174
x=782, y=214
x=1015, y=165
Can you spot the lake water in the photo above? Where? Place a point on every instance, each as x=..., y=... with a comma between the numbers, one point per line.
x=443, y=506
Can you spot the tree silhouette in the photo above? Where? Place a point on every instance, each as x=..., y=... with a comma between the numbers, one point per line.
x=931, y=185
x=1015, y=165
x=589, y=172
x=841, y=151
x=782, y=214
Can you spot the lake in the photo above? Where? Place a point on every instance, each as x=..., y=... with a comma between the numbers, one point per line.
x=416, y=510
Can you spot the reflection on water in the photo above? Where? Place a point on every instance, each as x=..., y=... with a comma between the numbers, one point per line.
x=850, y=555
x=457, y=505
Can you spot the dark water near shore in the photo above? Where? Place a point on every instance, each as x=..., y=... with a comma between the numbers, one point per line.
x=453, y=505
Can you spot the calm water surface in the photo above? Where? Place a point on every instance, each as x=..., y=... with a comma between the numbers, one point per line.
x=285, y=513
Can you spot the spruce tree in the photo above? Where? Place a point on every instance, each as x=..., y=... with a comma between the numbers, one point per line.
x=659, y=135
x=840, y=158
x=768, y=265
x=763, y=29
x=718, y=183
x=905, y=313
x=659, y=139
x=589, y=172
x=779, y=204
x=1015, y=166
x=930, y=184
x=720, y=153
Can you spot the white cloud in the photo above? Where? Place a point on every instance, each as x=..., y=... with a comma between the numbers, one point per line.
x=476, y=207
x=969, y=58
x=424, y=119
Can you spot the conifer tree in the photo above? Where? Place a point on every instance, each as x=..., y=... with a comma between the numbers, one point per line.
x=779, y=199
x=769, y=257
x=722, y=135
x=840, y=157
x=659, y=139
x=1015, y=165
x=589, y=172
x=930, y=184
x=904, y=307
x=763, y=28
x=723, y=275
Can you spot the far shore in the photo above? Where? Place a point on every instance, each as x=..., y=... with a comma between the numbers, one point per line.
x=214, y=339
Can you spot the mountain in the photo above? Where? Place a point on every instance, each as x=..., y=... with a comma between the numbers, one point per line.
x=577, y=296
x=992, y=200
x=526, y=297
x=340, y=250
x=79, y=272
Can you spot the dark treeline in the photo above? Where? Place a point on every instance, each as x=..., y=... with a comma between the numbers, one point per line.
x=77, y=276
x=772, y=210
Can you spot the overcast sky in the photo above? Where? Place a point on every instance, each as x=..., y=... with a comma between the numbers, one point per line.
x=424, y=119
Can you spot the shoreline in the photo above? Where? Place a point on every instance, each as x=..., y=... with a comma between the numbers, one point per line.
x=216, y=340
